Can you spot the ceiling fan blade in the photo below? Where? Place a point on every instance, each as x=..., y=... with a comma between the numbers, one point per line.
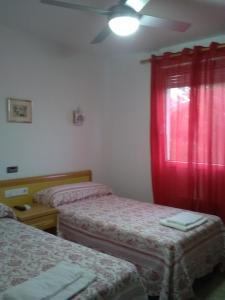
x=101, y=36
x=151, y=21
x=71, y=4
x=136, y=4
x=122, y=2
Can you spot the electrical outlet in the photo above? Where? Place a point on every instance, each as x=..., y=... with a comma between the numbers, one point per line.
x=16, y=192
x=12, y=169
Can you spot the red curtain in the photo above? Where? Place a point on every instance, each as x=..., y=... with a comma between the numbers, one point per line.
x=188, y=129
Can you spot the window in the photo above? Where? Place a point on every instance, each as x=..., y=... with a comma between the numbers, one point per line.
x=188, y=129
x=177, y=115
x=210, y=123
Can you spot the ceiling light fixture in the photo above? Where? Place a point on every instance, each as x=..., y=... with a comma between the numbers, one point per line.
x=124, y=20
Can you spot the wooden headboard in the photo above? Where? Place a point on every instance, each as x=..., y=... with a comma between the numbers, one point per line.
x=35, y=184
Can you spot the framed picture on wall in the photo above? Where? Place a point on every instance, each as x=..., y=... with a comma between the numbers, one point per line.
x=19, y=110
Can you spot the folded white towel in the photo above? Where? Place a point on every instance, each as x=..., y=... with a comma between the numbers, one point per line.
x=182, y=227
x=58, y=283
x=185, y=218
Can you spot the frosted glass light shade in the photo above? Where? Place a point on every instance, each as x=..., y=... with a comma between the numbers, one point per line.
x=124, y=25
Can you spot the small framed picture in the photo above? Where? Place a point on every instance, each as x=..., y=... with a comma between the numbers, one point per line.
x=19, y=110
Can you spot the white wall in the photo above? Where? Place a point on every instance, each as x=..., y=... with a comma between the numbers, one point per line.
x=126, y=129
x=114, y=140
x=57, y=84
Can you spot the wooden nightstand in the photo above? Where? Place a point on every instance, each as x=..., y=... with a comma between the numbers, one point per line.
x=40, y=216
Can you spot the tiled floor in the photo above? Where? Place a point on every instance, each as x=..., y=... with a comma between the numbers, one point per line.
x=210, y=287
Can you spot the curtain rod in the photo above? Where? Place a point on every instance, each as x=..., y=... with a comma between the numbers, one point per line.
x=148, y=60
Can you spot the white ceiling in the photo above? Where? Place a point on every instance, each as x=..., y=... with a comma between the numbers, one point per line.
x=75, y=29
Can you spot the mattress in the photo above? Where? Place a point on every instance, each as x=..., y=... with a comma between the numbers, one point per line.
x=168, y=260
x=25, y=252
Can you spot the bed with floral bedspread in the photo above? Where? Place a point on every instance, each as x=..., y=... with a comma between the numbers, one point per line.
x=25, y=252
x=168, y=260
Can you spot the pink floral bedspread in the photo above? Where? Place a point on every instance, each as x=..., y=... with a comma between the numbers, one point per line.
x=25, y=252
x=168, y=260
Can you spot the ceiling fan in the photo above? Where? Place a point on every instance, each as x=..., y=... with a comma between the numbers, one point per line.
x=124, y=18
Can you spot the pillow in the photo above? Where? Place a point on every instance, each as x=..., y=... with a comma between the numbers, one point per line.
x=64, y=194
x=6, y=211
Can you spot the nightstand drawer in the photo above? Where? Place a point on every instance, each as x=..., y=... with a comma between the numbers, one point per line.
x=40, y=216
x=45, y=222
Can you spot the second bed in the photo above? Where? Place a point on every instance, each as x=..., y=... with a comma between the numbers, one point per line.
x=168, y=260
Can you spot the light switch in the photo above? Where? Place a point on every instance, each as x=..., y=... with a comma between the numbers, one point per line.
x=12, y=169
x=16, y=192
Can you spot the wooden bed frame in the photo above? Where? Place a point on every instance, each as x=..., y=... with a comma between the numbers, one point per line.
x=37, y=183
